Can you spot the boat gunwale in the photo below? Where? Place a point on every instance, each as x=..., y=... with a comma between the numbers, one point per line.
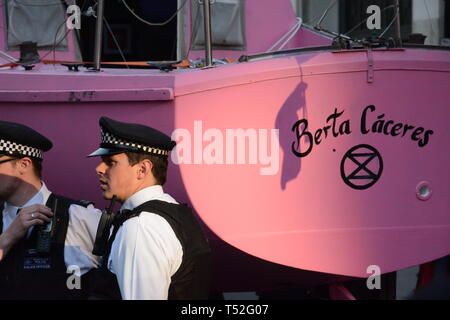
x=290, y=52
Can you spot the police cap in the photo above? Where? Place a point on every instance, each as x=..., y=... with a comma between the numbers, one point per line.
x=118, y=137
x=21, y=141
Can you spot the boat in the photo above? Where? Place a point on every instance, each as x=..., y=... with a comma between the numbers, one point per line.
x=310, y=157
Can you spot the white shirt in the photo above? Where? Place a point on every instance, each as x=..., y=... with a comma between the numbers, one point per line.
x=146, y=252
x=80, y=235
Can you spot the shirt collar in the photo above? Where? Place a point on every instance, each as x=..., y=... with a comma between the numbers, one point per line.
x=40, y=197
x=144, y=195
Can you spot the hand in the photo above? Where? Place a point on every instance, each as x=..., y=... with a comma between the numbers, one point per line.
x=27, y=217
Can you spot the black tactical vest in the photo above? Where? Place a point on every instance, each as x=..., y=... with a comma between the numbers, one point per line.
x=191, y=281
x=26, y=274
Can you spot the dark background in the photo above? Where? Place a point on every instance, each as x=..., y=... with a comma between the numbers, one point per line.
x=138, y=41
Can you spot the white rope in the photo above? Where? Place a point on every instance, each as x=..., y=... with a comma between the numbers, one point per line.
x=283, y=37
x=7, y=56
x=289, y=35
x=299, y=25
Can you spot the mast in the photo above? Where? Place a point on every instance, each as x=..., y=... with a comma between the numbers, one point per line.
x=398, y=34
x=98, y=35
x=208, y=35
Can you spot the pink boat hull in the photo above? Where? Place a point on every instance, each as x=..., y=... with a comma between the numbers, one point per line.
x=301, y=213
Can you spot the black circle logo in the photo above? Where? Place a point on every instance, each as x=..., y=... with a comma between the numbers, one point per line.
x=361, y=167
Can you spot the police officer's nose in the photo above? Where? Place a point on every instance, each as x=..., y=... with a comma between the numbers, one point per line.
x=100, y=169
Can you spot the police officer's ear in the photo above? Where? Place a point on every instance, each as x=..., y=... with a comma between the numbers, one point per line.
x=144, y=168
x=24, y=165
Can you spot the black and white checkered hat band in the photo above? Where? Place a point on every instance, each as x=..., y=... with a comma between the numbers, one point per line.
x=8, y=147
x=109, y=138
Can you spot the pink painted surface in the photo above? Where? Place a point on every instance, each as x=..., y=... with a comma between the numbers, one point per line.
x=305, y=216
x=83, y=95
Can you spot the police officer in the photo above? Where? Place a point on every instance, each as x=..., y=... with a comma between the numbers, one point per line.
x=46, y=240
x=157, y=249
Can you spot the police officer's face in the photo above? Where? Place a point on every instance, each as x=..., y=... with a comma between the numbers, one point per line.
x=117, y=177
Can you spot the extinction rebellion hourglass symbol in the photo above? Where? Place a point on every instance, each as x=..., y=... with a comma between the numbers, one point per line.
x=361, y=167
